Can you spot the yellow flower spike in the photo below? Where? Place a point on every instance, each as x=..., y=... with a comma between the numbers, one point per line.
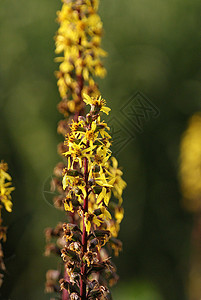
x=87, y=178
x=78, y=40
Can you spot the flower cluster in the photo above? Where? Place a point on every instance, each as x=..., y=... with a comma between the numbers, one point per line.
x=78, y=43
x=90, y=181
x=5, y=202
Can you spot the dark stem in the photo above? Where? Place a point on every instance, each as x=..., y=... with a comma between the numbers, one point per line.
x=84, y=235
x=80, y=81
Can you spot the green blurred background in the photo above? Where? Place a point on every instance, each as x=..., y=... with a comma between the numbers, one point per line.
x=154, y=47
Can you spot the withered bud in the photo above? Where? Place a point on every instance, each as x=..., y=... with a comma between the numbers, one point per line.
x=58, y=170
x=108, y=265
x=52, y=249
x=116, y=245
x=72, y=227
x=54, y=232
x=58, y=201
x=66, y=107
x=101, y=233
x=67, y=254
x=74, y=277
x=56, y=184
x=99, y=292
x=63, y=127
x=102, y=236
x=74, y=296
x=75, y=246
x=53, y=275
x=113, y=279
x=93, y=244
x=90, y=257
x=64, y=284
x=48, y=234
x=68, y=234
x=61, y=149
x=68, y=286
x=70, y=266
x=96, y=267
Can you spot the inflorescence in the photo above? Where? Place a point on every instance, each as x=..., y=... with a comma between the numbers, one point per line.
x=88, y=180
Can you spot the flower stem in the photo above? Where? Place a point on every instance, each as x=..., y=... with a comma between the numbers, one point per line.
x=80, y=80
x=84, y=234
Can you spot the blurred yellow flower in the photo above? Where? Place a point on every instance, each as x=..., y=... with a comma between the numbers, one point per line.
x=5, y=187
x=190, y=164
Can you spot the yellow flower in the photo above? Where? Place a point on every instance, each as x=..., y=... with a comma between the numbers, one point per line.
x=97, y=103
x=102, y=181
x=105, y=213
x=119, y=184
x=190, y=162
x=5, y=187
x=119, y=214
x=90, y=218
x=113, y=227
x=102, y=155
x=68, y=206
x=104, y=195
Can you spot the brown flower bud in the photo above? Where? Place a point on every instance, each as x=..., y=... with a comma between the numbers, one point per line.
x=58, y=170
